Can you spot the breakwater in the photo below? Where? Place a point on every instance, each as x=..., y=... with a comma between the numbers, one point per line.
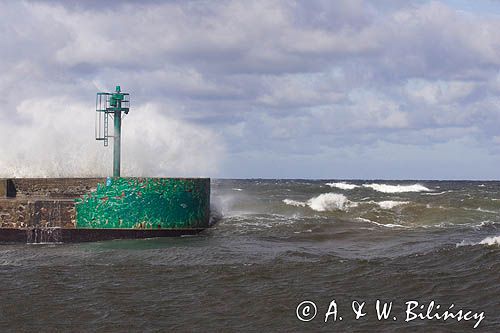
x=31, y=209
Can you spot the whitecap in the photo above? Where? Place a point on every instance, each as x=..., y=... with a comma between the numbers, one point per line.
x=385, y=188
x=486, y=210
x=330, y=201
x=438, y=193
x=479, y=209
x=294, y=203
x=389, y=204
x=301, y=232
x=324, y=202
x=484, y=224
x=342, y=185
x=490, y=241
x=389, y=225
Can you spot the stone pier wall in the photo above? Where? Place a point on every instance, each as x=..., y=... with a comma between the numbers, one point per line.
x=122, y=203
x=22, y=213
x=42, y=202
x=56, y=188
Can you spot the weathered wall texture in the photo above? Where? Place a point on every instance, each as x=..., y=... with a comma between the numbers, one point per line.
x=146, y=203
x=42, y=202
x=21, y=213
x=7, y=188
x=56, y=188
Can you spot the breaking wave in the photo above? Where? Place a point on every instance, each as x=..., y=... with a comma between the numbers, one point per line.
x=324, y=202
x=330, y=201
x=388, y=225
x=342, y=185
x=336, y=201
x=438, y=193
x=397, y=188
x=490, y=241
x=294, y=203
x=389, y=204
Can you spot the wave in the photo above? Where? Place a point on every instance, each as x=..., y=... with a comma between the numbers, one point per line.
x=342, y=185
x=330, y=201
x=490, y=241
x=397, y=188
x=294, y=203
x=438, y=193
x=336, y=201
x=487, y=223
x=479, y=209
x=389, y=204
x=324, y=202
x=389, y=225
x=486, y=211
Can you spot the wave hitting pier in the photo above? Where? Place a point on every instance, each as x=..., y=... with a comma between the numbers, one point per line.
x=53, y=210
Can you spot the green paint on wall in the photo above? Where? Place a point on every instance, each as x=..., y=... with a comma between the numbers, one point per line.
x=146, y=203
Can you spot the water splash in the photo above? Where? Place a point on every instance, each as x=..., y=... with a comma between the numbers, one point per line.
x=37, y=235
x=54, y=137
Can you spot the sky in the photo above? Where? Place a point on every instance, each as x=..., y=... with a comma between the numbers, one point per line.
x=347, y=89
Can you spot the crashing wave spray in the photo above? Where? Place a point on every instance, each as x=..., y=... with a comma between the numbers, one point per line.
x=156, y=145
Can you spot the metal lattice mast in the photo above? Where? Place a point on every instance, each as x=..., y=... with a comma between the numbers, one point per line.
x=111, y=105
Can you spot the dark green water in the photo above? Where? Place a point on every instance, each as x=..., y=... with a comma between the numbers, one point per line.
x=278, y=243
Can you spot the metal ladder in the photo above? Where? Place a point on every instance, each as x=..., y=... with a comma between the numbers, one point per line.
x=106, y=127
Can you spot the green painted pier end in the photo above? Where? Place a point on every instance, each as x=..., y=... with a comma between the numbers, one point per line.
x=61, y=210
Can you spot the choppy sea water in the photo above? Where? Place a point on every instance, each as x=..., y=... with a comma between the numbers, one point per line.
x=276, y=244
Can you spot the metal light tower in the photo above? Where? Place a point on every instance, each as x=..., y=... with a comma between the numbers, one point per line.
x=111, y=105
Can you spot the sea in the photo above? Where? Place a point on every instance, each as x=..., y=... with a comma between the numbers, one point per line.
x=281, y=256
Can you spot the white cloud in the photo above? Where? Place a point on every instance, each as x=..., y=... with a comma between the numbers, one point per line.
x=275, y=76
x=298, y=90
x=439, y=92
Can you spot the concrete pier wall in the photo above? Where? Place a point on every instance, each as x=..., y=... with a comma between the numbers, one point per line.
x=24, y=212
x=146, y=203
x=42, y=202
x=122, y=203
x=56, y=188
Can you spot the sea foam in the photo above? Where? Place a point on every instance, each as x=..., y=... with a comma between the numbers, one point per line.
x=397, y=188
x=342, y=185
x=294, y=203
x=389, y=204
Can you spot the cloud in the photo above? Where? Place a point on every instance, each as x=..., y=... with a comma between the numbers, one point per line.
x=281, y=78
